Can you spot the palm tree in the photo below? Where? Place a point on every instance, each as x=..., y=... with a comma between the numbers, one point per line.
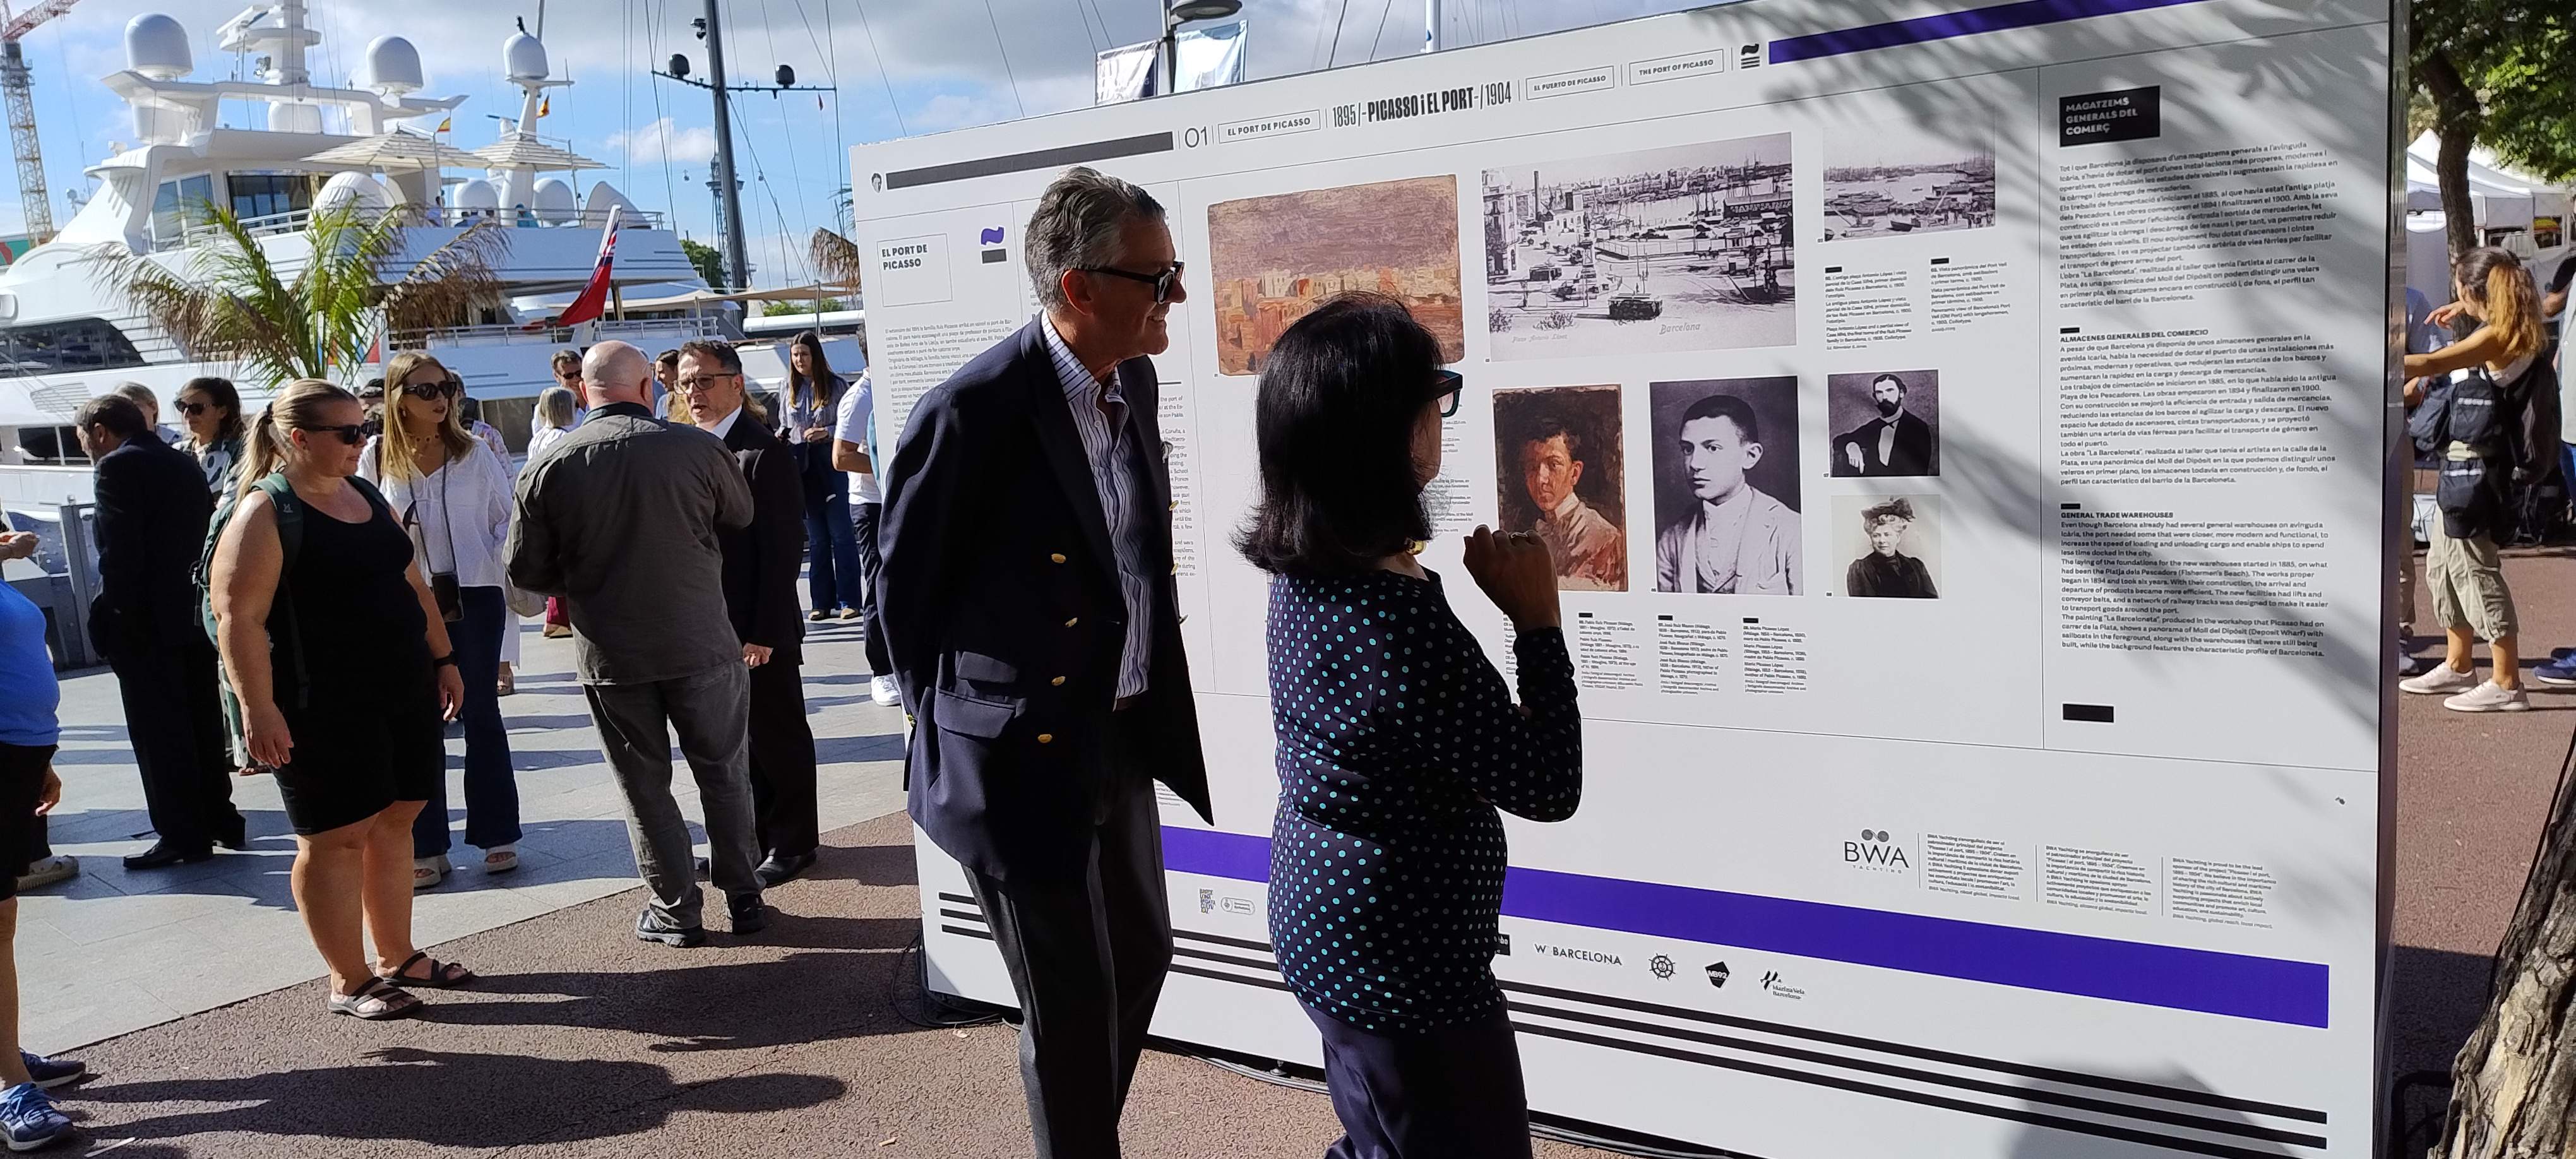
x=836, y=258
x=229, y=300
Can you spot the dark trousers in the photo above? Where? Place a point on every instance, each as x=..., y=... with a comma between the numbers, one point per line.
x=636, y=722
x=1450, y=1093
x=1086, y=954
x=832, y=572
x=22, y=831
x=491, y=788
x=782, y=761
x=865, y=516
x=175, y=718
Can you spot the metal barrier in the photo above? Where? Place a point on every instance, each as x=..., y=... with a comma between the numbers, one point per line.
x=62, y=579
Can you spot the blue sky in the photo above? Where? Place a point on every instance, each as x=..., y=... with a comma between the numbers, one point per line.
x=902, y=67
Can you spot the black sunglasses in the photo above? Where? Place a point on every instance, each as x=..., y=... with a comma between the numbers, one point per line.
x=426, y=391
x=352, y=433
x=1446, y=387
x=193, y=409
x=1162, y=282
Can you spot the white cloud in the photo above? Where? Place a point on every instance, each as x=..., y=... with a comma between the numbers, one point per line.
x=664, y=140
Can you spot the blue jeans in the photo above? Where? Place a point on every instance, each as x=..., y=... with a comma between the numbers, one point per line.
x=833, y=576
x=491, y=788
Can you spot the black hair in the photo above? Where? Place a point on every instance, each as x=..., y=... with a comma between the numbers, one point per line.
x=1729, y=407
x=1900, y=383
x=470, y=410
x=1341, y=392
x=1549, y=424
x=115, y=412
x=219, y=392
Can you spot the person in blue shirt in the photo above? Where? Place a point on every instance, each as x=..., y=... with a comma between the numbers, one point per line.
x=28, y=790
x=1399, y=746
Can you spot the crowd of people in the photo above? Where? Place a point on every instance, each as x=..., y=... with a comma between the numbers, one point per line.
x=661, y=518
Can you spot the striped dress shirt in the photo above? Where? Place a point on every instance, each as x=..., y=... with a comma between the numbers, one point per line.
x=1121, y=487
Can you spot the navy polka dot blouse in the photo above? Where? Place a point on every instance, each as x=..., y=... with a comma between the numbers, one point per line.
x=1397, y=743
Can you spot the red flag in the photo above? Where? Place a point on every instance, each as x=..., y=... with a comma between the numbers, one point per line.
x=593, y=300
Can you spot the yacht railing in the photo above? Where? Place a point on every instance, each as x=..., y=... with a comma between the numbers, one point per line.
x=512, y=335
x=297, y=221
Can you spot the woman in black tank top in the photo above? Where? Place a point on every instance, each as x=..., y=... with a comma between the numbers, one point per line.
x=331, y=642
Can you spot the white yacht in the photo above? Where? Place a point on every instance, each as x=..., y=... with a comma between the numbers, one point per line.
x=65, y=336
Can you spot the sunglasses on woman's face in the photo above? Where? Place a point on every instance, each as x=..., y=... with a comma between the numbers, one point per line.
x=1446, y=386
x=433, y=391
x=193, y=409
x=352, y=434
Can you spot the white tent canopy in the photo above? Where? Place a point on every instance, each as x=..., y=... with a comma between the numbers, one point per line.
x=2502, y=197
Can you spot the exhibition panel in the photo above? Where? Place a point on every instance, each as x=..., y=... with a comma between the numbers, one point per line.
x=1961, y=441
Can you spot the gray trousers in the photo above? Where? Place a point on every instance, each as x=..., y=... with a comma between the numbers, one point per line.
x=709, y=711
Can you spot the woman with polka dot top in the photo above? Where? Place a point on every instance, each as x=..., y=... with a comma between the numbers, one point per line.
x=1399, y=744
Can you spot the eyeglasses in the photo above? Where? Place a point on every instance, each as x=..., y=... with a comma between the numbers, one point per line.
x=429, y=391
x=1446, y=387
x=352, y=433
x=697, y=382
x=193, y=409
x=1162, y=282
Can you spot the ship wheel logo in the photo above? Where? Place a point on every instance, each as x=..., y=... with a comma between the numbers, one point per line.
x=1661, y=965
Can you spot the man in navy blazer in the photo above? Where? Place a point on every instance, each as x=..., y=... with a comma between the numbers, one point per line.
x=1028, y=604
x=152, y=512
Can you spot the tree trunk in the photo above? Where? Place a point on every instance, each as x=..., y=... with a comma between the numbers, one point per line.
x=2457, y=120
x=2515, y=1081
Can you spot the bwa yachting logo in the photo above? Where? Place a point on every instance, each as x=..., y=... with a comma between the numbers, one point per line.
x=993, y=237
x=1876, y=853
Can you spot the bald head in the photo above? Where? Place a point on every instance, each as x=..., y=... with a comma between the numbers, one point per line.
x=617, y=372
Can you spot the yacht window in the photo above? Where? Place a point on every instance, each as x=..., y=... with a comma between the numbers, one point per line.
x=269, y=194
x=57, y=347
x=178, y=202
x=51, y=445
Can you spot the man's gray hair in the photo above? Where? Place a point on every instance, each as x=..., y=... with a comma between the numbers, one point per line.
x=1077, y=226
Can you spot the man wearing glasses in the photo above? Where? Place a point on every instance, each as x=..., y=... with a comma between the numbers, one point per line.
x=1027, y=596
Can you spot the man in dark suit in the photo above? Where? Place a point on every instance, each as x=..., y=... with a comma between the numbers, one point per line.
x=1895, y=443
x=1028, y=603
x=760, y=565
x=152, y=513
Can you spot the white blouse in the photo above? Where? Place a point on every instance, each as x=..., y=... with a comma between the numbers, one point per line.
x=460, y=514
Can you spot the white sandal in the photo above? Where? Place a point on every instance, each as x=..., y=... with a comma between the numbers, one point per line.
x=501, y=858
x=429, y=871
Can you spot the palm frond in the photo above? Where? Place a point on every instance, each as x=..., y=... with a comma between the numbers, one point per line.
x=836, y=258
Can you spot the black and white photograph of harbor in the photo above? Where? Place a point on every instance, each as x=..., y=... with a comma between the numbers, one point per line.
x=1683, y=248
x=1893, y=179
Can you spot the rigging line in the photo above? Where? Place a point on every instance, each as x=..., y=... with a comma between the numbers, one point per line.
x=1106, y=37
x=870, y=32
x=1382, y=14
x=1315, y=55
x=832, y=68
x=1006, y=58
x=626, y=91
x=1336, y=54
x=777, y=212
x=1082, y=16
x=661, y=117
x=795, y=168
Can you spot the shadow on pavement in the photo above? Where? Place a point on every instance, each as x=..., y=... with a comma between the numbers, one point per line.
x=800, y=998
x=423, y=1095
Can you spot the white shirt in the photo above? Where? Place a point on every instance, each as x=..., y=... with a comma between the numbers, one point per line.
x=543, y=440
x=724, y=425
x=851, y=426
x=459, y=515
x=1115, y=477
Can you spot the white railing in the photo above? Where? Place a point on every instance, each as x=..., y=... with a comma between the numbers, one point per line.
x=518, y=335
x=298, y=221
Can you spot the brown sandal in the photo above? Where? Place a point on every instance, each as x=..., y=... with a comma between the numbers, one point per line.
x=442, y=975
x=375, y=1001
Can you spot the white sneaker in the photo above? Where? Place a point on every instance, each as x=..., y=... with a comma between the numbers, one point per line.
x=59, y=867
x=2488, y=697
x=883, y=691
x=2443, y=680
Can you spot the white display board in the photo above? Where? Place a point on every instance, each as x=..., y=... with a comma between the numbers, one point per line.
x=2081, y=856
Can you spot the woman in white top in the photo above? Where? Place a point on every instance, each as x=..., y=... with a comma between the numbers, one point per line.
x=557, y=414
x=454, y=497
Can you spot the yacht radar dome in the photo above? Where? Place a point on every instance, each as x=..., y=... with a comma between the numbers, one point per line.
x=393, y=66
x=524, y=57
x=157, y=47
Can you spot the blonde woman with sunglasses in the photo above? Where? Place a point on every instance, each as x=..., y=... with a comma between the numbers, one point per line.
x=453, y=495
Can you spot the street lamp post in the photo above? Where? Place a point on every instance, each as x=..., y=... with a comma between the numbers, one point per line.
x=1167, y=62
